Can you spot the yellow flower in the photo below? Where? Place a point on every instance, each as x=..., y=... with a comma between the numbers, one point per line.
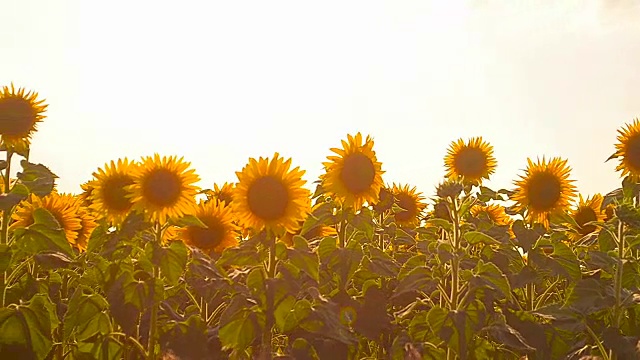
x=495, y=213
x=20, y=113
x=269, y=194
x=85, y=195
x=544, y=189
x=111, y=194
x=223, y=193
x=64, y=209
x=628, y=149
x=411, y=202
x=88, y=224
x=220, y=233
x=471, y=161
x=354, y=176
x=319, y=231
x=586, y=211
x=163, y=187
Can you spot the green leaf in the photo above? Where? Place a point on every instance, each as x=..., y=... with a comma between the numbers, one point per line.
x=418, y=279
x=189, y=220
x=239, y=333
x=303, y=258
x=174, y=261
x=37, y=178
x=381, y=263
x=53, y=260
x=18, y=193
x=606, y=241
x=628, y=215
x=256, y=283
x=45, y=235
x=29, y=325
x=589, y=296
x=476, y=237
x=489, y=274
x=84, y=317
x=526, y=238
x=240, y=256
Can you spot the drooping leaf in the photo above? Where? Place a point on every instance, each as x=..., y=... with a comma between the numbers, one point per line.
x=37, y=178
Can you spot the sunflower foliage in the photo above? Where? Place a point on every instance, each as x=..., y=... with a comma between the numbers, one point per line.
x=143, y=264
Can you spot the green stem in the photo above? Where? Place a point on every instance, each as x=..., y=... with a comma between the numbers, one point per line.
x=151, y=346
x=6, y=214
x=547, y=292
x=342, y=232
x=605, y=354
x=381, y=239
x=455, y=261
x=618, y=276
x=267, y=335
x=530, y=297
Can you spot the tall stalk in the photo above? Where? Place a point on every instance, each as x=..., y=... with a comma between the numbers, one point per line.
x=6, y=214
x=618, y=276
x=267, y=335
x=455, y=262
x=153, y=326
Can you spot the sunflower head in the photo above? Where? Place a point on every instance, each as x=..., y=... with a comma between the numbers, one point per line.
x=223, y=193
x=587, y=210
x=111, y=193
x=269, y=194
x=411, y=202
x=87, y=225
x=64, y=209
x=163, y=187
x=471, y=162
x=20, y=113
x=220, y=233
x=354, y=176
x=628, y=150
x=85, y=195
x=544, y=189
x=495, y=213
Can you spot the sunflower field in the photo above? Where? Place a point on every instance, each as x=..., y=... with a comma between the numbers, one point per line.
x=143, y=264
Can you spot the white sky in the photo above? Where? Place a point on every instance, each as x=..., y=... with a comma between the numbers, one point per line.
x=221, y=81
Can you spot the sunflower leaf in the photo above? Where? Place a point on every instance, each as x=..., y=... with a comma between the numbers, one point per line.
x=37, y=178
x=18, y=193
x=45, y=235
x=188, y=220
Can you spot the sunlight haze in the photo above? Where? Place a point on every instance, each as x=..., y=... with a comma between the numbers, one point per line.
x=221, y=81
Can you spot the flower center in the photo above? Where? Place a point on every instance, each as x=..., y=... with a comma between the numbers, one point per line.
x=114, y=194
x=583, y=216
x=406, y=202
x=632, y=152
x=358, y=173
x=544, y=191
x=268, y=198
x=162, y=188
x=17, y=117
x=210, y=237
x=471, y=163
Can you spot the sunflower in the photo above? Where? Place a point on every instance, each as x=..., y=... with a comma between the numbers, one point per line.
x=586, y=211
x=495, y=213
x=20, y=113
x=223, y=193
x=163, y=187
x=385, y=200
x=269, y=194
x=87, y=189
x=220, y=233
x=471, y=161
x=64, y=209
x=320, y=231
x=354, y=176
x=545, y=188
x=411, y=202
x=111, y=193
x=88, y=224
x=628, y=149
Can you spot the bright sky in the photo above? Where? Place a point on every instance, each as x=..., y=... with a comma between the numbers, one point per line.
x=221, y=81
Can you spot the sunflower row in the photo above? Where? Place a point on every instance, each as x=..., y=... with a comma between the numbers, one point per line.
x=271, y=194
